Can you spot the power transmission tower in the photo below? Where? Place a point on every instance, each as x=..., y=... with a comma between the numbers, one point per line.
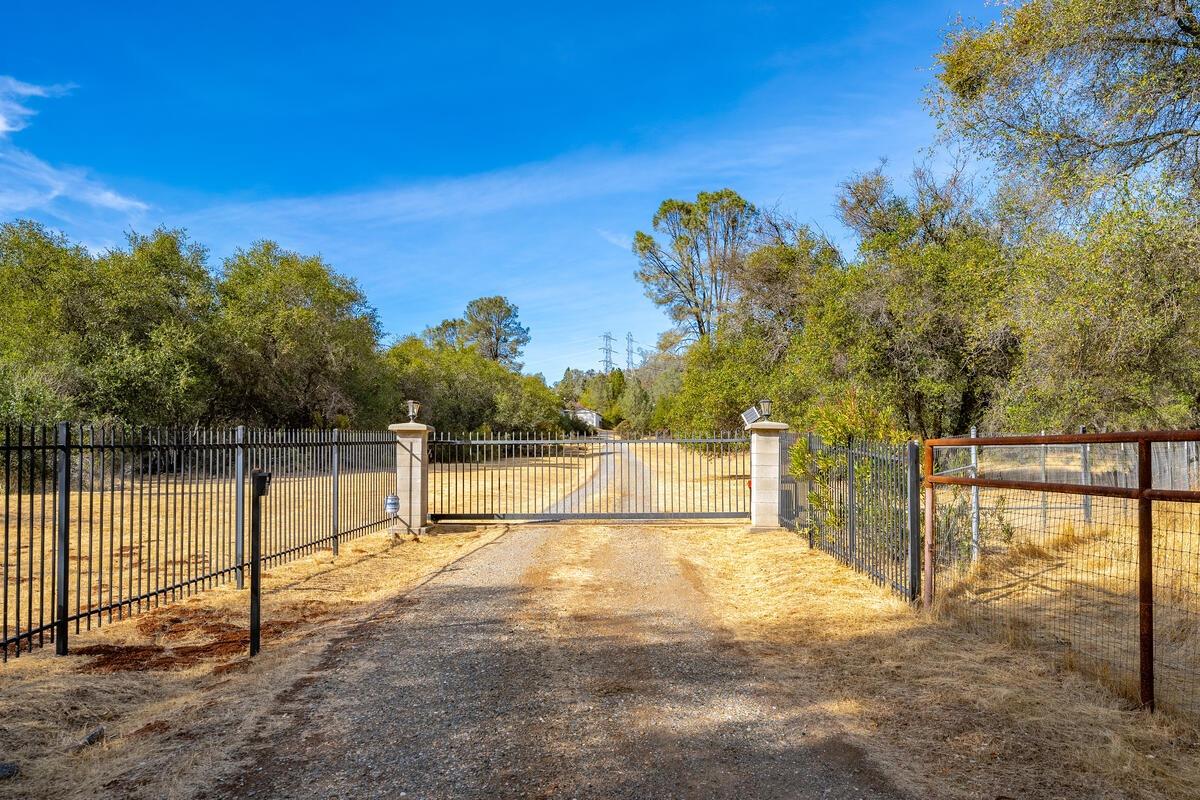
x=629, y=352
x=607, y=350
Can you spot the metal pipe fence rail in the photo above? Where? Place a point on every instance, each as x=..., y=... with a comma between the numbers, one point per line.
x=862, y=505
x=1086, y=546
x=549, y=476
x=102, y=522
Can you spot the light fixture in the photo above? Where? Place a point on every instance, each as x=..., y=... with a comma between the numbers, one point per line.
x=413, y=408
x=764, y=407
x=391, y=505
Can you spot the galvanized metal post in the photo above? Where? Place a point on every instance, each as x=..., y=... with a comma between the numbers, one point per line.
x=851, y=500
x=1045, y=497
x=1145, y=576
x=261, y=484
x=974, y=498
x=1085, y=468
x=239, y=504
x=334, y=469
x=914, y=519
x=62, y=556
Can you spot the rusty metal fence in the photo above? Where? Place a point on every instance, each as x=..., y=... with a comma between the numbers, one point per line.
x=1086, y=546
x=103, y=522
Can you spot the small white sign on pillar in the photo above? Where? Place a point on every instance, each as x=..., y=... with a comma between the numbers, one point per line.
x=765, y=445
x=412, y=474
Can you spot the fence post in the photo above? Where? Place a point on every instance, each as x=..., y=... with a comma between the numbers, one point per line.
x=851, y=501
x=261, y=484
x=914, y=519
x=412, y=473
x=239, y=503
x=1145, y=576
x=974, y=498
x=927, y=585
x=1045, y=497
x=1085, y=466
x=62, y=556
x=334, y=521
x=810, y=489
x=765, y=444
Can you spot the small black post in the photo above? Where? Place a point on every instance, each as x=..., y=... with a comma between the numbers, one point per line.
x=62, y=558
x=851, y=502
x=260, y=485
x=239, y=504
x=812, y=488
x=914, y=520
x=335, y=470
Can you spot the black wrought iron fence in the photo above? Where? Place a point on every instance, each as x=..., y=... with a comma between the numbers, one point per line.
x=544, y=476
x=102, y=522
x=863, y=506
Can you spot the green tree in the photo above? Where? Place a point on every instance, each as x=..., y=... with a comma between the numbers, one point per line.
x=1107, y=325
x=447, y=333
x=298, y=340
x=690, y=273
x=1082, y=92
x=125, y=335
x=462, y=391
x=492, y=326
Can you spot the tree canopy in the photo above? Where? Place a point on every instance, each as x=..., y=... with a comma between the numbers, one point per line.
x=1080, y=92
x=690, y=271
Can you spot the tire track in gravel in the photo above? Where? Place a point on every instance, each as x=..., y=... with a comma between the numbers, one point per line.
x=562, y=661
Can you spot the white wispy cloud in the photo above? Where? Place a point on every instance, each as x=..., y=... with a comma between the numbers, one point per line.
x=579, y=176
x=29, y=184
x=621, y=241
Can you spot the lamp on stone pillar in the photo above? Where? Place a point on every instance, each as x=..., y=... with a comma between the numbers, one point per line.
x=412, y=471
x=766, y=453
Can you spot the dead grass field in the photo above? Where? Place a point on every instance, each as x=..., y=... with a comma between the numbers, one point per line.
x=174, y=689
x=599, y=477
x=948, y=713
x=151, y=534
x=955, y=714
x=1052, y=582
x=693, y=479
x=524, y=485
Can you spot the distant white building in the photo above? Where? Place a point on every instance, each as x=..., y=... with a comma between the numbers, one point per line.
x=586, y=416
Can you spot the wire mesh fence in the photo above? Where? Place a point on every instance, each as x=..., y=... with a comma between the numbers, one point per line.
x=862, y=505
x=102, y=522
x=542, y=476
x=1089, y=550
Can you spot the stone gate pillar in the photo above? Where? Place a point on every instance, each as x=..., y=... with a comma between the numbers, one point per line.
x=412, y=474
x=765, y=473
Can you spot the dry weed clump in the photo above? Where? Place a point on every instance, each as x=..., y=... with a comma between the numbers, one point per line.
x=956, y=714
x=174, y=688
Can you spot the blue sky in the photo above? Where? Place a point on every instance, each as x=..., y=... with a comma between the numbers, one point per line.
x=443, y=152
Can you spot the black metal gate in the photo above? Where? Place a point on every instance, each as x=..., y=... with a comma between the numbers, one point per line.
x=589, y=477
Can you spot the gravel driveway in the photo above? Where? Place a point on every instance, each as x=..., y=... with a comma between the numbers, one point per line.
x=560, y=661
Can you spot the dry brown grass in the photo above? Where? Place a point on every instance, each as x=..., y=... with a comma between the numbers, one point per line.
x=956, y=715
x=1070, y=589
x=508, y=485
x=157, y=532
x=174, y=689
x=691, y=479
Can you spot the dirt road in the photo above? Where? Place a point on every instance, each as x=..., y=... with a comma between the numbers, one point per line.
x=574, y=662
